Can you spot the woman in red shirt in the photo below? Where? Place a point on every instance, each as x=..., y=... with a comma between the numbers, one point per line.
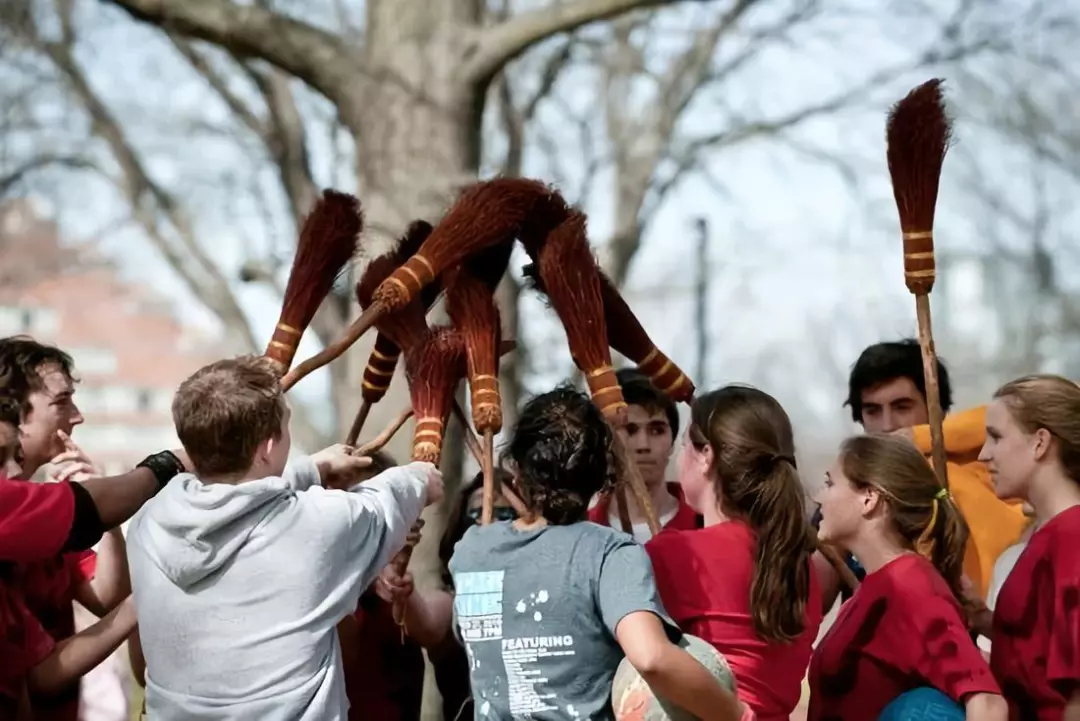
x=745, y=582
x=904, y=627
x=1033, y=452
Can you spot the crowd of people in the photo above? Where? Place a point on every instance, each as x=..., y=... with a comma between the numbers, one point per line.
x=255, y=583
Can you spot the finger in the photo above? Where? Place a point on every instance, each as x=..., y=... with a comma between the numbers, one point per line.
x=69, y=443
x=67, y=457
x=71, y=471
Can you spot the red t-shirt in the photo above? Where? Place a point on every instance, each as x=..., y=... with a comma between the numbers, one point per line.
x=48, y=589
x=23, y=645
x=35, y=519
x=384, y=676
x=1036, y=639
x=704, y=578
x=903, y=629
x=685, y=518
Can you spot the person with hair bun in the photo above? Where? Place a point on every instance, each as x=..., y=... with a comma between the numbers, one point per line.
x=1033, y=452
x=904, y=628
x=547, y=606
x=745, y=583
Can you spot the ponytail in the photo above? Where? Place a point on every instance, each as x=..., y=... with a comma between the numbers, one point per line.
x=944, y=541
x=774, y=505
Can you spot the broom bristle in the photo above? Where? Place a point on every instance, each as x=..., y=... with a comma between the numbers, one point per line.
x=379, y=269
x=486, y=214
x=434, y=367
x=471, y=306
x=627, y=336
x=569, y=272
x=918, y=132
x=328, y=240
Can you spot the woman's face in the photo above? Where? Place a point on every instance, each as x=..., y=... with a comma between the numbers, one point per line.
x=694, y=474
x=842, y=506
x=1011, y=455
x=503, y=511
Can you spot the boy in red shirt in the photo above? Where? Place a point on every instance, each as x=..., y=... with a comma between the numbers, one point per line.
x=653, y=426
x=39, y=378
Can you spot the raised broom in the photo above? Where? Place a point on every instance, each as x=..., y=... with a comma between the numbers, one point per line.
x=628, y=337
x=393, y=331
x=918, y=132
x=329, y=237
x=470, y=302
x=569, y=273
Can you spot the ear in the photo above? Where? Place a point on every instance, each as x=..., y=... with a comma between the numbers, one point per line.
x=705, y=458
x=871, y=500
x=262, y=452
x=1042, y=440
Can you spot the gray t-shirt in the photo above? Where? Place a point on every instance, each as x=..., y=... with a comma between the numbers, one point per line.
x=537, y=610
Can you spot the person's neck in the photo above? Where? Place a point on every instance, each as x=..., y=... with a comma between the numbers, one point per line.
x=662, y=502
x=1052, y=493
x=233, y=479
x=28, y=469
x=714, y=512
x=874, y=552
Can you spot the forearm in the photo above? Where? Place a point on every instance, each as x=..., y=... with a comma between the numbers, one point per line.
x=111, y=583
x=677, y=676
x=986, y=707
x=429, y=616
x=117, y=498
x=75, y=656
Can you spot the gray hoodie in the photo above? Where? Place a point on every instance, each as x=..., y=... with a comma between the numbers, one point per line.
x=239, y=588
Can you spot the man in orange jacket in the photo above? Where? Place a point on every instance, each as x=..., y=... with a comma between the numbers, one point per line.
x=887, y=394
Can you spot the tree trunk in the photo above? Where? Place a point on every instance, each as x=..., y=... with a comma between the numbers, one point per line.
x=417, y=133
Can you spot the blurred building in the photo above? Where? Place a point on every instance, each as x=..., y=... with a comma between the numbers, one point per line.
x=130, y=349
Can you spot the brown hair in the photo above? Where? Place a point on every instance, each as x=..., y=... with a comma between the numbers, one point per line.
x=756, y=479
x=20, y=358
x=1050, y=402
x=225, y=410
x=919, y=507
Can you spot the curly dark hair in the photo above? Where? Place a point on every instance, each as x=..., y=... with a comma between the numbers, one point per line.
x=561, y=452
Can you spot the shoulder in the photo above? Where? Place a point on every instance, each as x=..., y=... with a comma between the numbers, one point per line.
x=915, y=585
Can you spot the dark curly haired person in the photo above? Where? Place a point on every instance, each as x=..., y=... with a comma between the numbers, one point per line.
x=547, y=606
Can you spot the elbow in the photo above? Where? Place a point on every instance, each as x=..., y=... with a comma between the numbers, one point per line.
x=648, y=659
x=45, y=680
x=987, y=707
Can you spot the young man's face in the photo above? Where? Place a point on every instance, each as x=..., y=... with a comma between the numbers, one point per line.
x=893, y=405
x=52, y=409
x=651, y=442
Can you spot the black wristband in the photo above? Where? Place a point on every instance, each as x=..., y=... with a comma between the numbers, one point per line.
x=164, y=465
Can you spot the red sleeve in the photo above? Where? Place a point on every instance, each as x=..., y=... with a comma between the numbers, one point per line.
x=948, y=659
x=35, y=519
x=1063, y=658
x=598, y=514
x=660, y=553
x=81, y=566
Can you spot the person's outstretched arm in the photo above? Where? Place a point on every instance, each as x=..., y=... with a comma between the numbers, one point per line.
x=672, y=672
x=75, y=656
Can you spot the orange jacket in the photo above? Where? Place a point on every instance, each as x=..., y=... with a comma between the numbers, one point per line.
x=995, y=525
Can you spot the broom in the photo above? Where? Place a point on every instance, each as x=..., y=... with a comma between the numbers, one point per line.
x=328, y=240
x=472, y=310
x=570, y=274
x=433, y=367
x=395, y=329
x=486, y=214
x=918, y=132
x=628, y=337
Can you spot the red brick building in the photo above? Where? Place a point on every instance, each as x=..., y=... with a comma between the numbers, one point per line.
x=130, y=349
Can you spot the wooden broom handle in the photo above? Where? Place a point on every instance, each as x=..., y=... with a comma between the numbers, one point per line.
x=933, y=388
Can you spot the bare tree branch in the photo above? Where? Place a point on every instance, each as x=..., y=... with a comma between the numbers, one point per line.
x=502, y=43
x=316, y=57
x=202, y=65
x=39, y=162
